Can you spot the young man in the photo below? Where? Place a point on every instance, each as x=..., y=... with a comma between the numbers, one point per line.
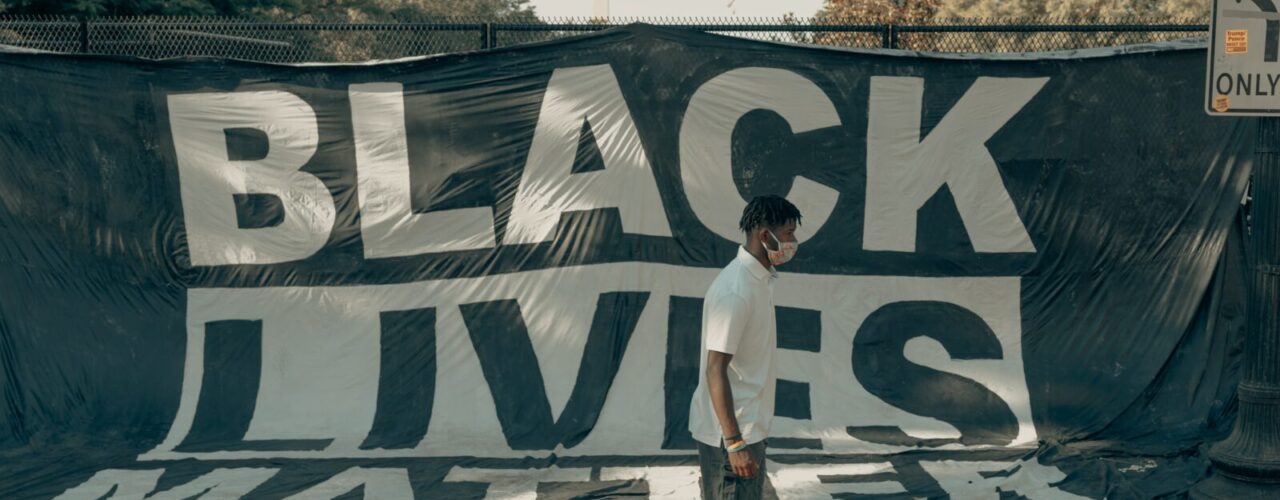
x=733, y=405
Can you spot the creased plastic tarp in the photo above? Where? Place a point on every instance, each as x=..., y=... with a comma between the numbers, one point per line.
x=481, y=274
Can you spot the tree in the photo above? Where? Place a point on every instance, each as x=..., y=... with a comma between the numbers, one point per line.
x=1073, y=11
x=1078, y=10
x=237, y=38
x=367, y=10
x=1006, y=12
x=880, y=11
x=864, y=12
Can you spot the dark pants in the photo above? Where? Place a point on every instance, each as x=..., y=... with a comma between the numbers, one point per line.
x=720, y=483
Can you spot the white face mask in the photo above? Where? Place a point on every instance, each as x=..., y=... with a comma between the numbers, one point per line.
x=784, y=252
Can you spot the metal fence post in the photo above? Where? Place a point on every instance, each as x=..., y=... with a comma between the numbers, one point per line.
x=486, y=36
x=84, y=33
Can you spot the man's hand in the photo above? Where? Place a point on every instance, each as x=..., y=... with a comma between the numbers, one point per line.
x=744, y=463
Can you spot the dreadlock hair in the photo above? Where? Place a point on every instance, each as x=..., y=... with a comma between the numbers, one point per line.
x=769, y=211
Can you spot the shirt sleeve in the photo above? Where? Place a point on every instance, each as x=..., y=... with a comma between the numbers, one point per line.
x=725, y=323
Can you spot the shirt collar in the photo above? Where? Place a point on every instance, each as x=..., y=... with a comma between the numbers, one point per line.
x=757, y=269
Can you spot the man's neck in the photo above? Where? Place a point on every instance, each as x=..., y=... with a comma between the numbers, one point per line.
x=756, y=249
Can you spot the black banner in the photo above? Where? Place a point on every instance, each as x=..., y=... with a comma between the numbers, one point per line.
x=481, y=275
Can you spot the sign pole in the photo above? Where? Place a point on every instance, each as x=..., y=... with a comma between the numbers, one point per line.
x=1247, y=463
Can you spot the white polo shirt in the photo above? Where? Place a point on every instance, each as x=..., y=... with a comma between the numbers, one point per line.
x=738, y=319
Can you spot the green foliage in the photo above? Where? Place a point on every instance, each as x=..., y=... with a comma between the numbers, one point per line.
x=998, y=12
x=328, y=10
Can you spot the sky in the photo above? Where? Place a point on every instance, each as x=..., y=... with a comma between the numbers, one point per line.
x=679, y=8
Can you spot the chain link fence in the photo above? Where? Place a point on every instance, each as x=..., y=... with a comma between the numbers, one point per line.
x=345, y=41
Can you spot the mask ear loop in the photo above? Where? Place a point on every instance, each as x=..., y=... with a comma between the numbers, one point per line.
x=777, y=243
